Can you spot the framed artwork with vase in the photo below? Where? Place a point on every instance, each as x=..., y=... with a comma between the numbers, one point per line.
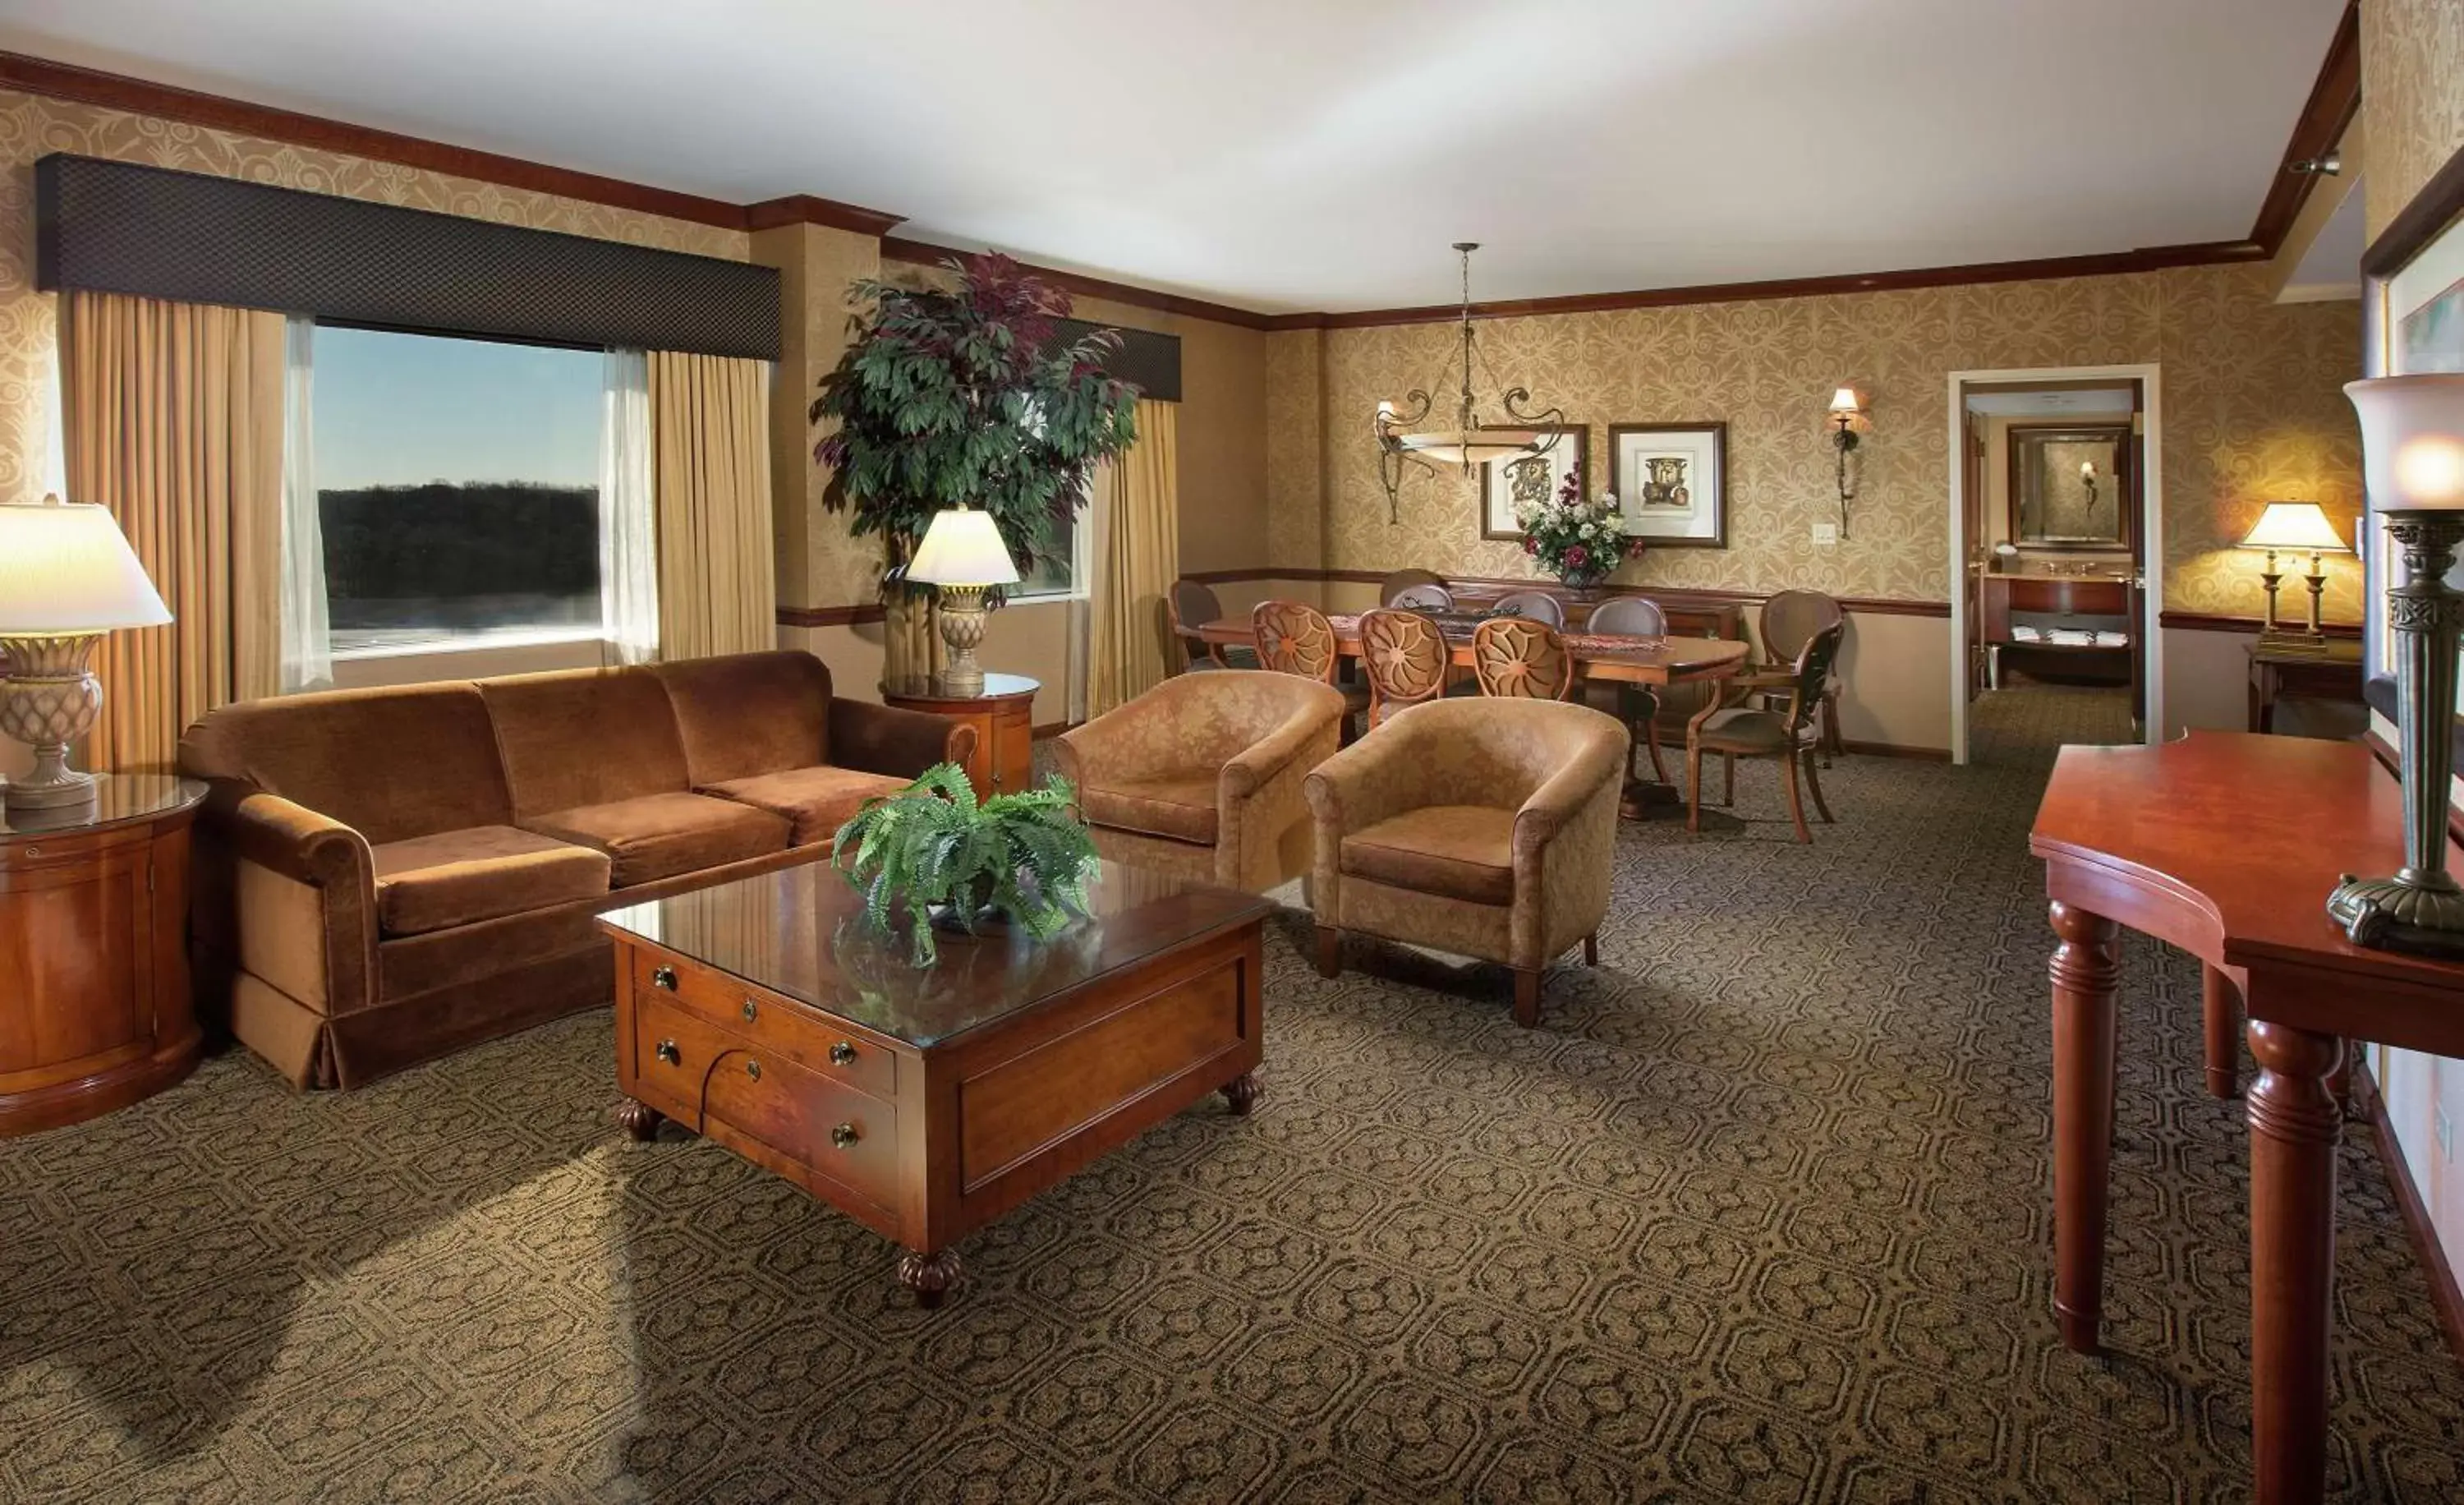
x=1671, y=482
x=1506, y=484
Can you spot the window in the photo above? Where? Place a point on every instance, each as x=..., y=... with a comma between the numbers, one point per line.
x=457, y=489
x=1063, y=575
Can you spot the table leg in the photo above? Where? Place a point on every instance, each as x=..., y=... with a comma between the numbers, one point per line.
x=639, y=1121
x=2220, y=1003
x=931, y=1276
x=1240, y=1094
x=2293, y=1123
x=2085, y=977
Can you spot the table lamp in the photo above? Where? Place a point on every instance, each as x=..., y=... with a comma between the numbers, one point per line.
x=66, y=578
x=2412, y=463
x=963, y=553
x=2294, y=526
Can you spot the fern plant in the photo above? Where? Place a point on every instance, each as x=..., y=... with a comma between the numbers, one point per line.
x=1027, y=855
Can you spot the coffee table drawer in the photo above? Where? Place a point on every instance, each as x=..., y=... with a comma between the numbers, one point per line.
x=778, y=1025
x=846, y=1134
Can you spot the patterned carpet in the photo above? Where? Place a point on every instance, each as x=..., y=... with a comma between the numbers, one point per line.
x=1760, y=1213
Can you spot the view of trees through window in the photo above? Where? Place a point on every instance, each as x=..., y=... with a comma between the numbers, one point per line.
x=458, y=485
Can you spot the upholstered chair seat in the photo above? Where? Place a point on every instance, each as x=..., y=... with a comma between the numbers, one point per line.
x=814, y=801
x=1480, y=828
x=1202, y=775
x=459, y=877
x=654, y=836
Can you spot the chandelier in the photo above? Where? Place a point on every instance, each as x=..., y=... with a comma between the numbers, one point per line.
x=1468, y=442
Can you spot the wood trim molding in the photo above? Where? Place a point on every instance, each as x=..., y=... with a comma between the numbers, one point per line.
x=2435, y=1270
x=925, y=253
x=806, y=208
x=2335, y=99
x=2418, y=223
x=137, y=96
x=1896, y=750
x=2206, y=621
x=831, y=616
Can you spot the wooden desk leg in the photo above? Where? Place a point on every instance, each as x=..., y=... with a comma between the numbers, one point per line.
x=2220, y=1004
x=2294, y=1123
x=2085, y=976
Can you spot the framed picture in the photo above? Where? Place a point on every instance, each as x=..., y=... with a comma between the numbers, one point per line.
x=1508, y=484
x=1671, y=482
x=2412, y=322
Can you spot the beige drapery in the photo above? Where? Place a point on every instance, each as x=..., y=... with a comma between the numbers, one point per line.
x=171, y=417
x=1139, y=560
x=709, y=440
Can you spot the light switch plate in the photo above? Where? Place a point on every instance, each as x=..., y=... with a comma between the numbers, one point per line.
x=1826, y=533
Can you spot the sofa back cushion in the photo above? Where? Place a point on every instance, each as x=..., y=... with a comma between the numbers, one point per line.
x=748, y=714
x=392, y=763
x=584, y=737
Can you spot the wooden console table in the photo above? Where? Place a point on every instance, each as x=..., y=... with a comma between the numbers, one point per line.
x=2274, y=674
x=2226, y=844
x=1003, y=715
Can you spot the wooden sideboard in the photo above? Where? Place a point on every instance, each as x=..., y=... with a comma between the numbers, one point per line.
x=1003, y=716
x=2076, y=602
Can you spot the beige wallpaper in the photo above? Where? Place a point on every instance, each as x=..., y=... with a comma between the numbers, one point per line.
x=33, y=127
x=1296, y=450
x=821, y=563
x=2251, y=395
x=2413, y=98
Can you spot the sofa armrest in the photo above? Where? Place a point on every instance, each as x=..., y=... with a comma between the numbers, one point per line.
x=304, y=895
x=884, y=739
x=290, y=838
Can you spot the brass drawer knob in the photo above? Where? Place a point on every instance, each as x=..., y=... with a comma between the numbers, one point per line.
x=844, y=1135
x=753, y=1068
x=749, y=1010
x=842, y=1054
x=664, y=977
x=666, y=1051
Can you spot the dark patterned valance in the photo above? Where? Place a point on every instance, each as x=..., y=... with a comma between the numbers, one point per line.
x=118, y=227
x=1150, y=361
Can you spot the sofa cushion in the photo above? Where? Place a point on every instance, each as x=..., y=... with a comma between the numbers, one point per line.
x=1181, y=807
x=389, y=764
x=455, y=877
x=585, y=738
x=660, y=836
x=1463, y=852
x=747, y=714
x=814, y=801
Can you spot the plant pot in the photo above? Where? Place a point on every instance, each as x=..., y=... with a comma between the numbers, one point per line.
x=953, y=913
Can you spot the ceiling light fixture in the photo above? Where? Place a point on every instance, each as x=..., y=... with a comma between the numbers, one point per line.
x=1468, y=442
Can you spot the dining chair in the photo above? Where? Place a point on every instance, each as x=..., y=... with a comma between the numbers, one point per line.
x=1789, y=735
x=1295, y=638
x=1789, y=622
x=1423, y=598
x=1526, y=660
x=1534, y=605
x=1407, y=658
x=1399, y=581
x=1192, y=606
x=1637, y=706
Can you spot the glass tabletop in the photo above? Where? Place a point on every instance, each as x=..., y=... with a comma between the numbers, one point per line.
x=119, y=798
x=802, y=932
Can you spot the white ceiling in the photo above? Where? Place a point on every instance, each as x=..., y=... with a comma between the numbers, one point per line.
x=2332, y=266
x=1307, y=154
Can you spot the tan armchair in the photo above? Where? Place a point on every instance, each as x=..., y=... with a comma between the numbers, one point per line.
x=1202, y=775
x=1482, y=828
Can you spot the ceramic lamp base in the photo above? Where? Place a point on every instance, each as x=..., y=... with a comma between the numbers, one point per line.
x=50, y=699
x=961, y=614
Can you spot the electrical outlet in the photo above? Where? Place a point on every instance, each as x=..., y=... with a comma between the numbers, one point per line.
x=1826, y=533
x=2446, y=1136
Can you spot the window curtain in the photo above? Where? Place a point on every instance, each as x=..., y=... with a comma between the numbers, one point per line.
x=306, y=637
x=628, y=523
x=709, y=417
x=1139, y=557
x=172, y=417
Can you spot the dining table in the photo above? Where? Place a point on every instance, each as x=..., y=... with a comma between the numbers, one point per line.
x=1613, y=657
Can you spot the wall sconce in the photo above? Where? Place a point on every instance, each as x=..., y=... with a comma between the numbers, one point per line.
x=1845, y=411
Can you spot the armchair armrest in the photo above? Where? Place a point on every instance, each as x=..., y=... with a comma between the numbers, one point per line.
x=881, y=739
x=1260, y=760
x=1564, y=794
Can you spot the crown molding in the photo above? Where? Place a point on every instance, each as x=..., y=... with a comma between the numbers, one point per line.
x=2335, y=99
x=806, y=208
x=923, y=252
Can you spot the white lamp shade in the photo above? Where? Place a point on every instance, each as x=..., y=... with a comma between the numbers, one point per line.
x=2296, y=525
x=1845, y=401
x=962, y=547
x=65, y=569
x=1477, y=446
x=2412, y=441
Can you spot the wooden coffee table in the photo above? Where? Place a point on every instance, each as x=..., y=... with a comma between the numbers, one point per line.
x=764, y=1015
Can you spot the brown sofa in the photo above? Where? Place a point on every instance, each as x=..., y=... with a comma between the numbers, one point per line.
x=387, y=876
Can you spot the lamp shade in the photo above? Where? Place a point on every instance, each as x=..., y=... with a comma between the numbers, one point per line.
x=962, y=547
x=65, y=571
x=1845, y=401
x=1474, y=446
x=2412, y=441
x=2294, y=525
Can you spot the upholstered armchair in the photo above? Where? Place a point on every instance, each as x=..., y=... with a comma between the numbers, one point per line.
x=1202, y=775
x=1482, y=828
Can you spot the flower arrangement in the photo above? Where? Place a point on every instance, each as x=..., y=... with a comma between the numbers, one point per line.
x=1577, y=541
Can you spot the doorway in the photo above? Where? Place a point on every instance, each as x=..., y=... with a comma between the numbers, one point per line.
x=2056, y=551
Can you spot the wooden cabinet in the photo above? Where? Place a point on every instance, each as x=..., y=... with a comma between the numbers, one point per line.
x=1004, y=717
x=95, y=1007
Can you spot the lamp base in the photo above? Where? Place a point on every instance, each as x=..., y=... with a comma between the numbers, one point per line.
x=50, y=699
x=961, y=614
x=2416, y=912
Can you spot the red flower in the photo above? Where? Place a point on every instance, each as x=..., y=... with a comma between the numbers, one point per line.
x=1578, y=557
x=1530, y=546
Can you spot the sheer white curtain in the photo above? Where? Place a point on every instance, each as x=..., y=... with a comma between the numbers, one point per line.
x=629, y=530
x=306, y=639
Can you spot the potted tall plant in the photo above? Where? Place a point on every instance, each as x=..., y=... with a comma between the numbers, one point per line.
x=965, y=395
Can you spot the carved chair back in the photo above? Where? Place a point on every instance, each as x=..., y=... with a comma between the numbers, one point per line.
x=1526, y=659
x=1812, y=671
x=1402, y=579
x=1792, y=618
x=1295, y=638
x=1425, y=597
x=1534, y=605
x=1406, y=657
